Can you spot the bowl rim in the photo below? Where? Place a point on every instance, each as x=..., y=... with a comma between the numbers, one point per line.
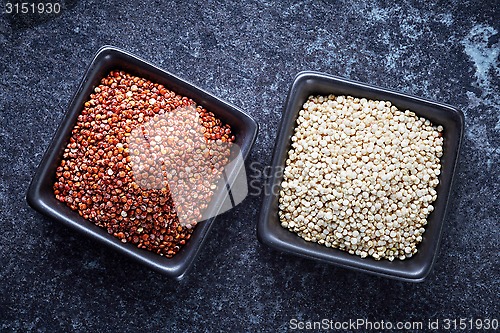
x=295, y=245
x=37, y=198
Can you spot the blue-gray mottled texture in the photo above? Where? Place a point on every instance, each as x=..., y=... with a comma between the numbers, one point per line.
x=54, y=280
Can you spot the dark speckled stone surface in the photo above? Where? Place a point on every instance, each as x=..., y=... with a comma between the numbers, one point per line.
x=53, y=280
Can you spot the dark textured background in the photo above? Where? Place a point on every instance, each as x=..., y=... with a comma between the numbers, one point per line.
x=54, y=280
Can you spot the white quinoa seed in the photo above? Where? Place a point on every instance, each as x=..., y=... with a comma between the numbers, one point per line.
x=361, y=176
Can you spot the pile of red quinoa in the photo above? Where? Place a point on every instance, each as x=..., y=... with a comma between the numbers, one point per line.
x=97, y=179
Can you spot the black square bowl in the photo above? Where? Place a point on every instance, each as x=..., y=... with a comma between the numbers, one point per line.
x=41, y=197
x=271, y=233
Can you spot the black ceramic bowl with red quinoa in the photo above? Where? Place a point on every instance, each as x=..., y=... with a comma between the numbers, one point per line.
x=125, y=135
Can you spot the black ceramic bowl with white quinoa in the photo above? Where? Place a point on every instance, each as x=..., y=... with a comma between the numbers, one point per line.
x=361, y=176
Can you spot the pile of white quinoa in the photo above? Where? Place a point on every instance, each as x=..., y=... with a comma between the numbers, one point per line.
x=361, y=176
